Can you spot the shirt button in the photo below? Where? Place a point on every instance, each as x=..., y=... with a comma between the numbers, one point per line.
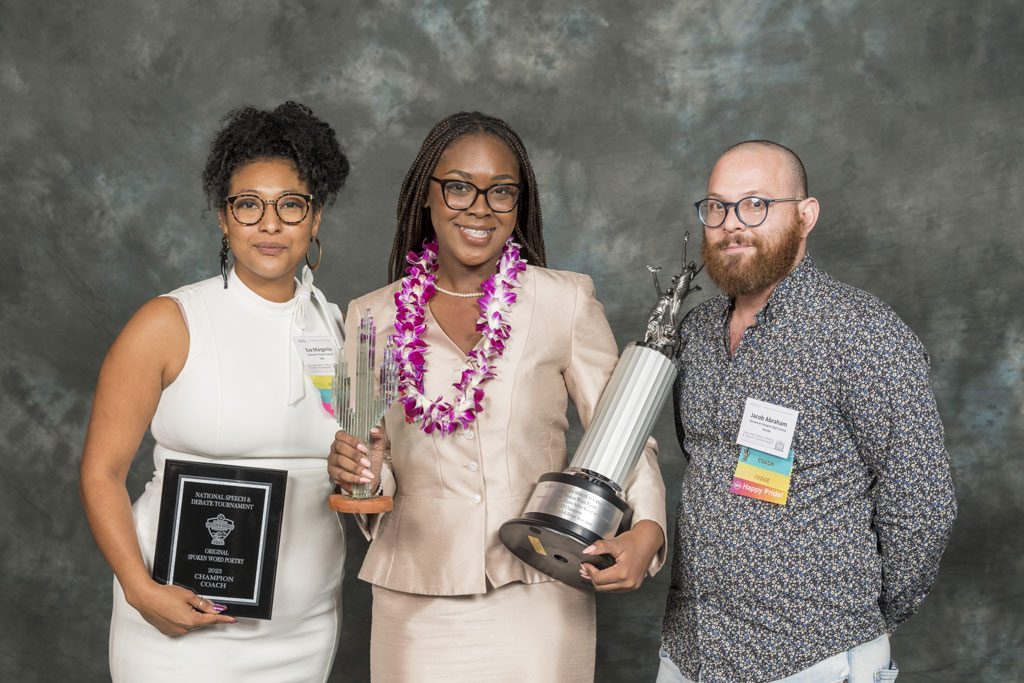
x=472, y=467
x=467, y=434
x=475, y=499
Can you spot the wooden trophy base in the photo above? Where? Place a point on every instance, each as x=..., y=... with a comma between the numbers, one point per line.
x=366, y=506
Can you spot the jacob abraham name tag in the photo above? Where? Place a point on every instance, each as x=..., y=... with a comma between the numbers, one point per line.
x=766, y=461
x=767, y=427
x=219, y=532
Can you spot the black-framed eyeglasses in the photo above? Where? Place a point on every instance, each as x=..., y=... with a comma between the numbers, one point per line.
x=751, y=211
x=291, y=207
x=461, y=194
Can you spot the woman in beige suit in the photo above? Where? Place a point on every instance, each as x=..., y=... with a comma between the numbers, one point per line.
x=517, y=341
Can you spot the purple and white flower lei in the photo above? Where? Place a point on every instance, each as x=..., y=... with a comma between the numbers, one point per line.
x=411, y=300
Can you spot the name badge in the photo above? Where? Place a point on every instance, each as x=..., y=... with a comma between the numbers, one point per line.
x=767, y=427
x=319, y=354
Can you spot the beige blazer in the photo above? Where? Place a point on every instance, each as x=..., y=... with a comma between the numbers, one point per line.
x=453, y=492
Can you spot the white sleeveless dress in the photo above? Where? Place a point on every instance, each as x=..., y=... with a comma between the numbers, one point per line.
x=243, y=398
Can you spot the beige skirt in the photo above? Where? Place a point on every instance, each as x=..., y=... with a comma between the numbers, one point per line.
x=540, y=633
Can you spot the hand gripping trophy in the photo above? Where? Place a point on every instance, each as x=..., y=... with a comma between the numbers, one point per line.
x=359, y=407
x=570, y=510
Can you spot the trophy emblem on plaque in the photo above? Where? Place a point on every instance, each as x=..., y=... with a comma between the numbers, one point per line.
x=570, y=510
x=359, y=407
x=219, y=528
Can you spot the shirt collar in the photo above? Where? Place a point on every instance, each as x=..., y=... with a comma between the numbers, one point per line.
x=786, y=293
x=790, y=290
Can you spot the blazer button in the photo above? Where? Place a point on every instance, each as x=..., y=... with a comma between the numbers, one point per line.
x=468, y=435
x=472, y=467
x=475, y=499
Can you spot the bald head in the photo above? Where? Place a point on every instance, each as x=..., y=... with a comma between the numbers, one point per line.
x=793, y=168
x=763, y=253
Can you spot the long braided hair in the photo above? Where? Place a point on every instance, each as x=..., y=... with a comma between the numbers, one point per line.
x=414, y=223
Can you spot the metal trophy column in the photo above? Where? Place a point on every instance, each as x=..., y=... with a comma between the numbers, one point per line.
x=359, y=407
x=570, y=510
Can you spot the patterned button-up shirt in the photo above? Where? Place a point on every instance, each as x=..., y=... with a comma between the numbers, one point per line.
x=759, y=590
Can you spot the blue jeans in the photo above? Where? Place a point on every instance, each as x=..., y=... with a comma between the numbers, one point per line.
x=866, y=663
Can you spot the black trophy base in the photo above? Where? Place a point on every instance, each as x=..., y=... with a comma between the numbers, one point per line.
x=553, y=546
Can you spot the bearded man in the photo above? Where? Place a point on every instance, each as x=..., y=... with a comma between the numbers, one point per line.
x=818, y=500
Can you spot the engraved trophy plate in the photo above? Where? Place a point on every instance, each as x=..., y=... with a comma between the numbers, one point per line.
x=360, y=406
x=570, y=510
x=219, y=531
x=575, y=504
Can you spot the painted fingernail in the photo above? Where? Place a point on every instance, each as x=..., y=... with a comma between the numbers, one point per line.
x=364, y=462
x=589, y=549
x=364, y=480
x=361, y=448
x=367, y=473
x=375, y=431
x=217, y=607
x=233, y=621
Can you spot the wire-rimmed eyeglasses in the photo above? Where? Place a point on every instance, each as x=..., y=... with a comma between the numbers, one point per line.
x=291, y=207
x=461, y=194
x=751, y=211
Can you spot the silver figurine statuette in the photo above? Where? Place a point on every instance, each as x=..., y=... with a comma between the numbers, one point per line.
x=570, y=510
x=359, y=406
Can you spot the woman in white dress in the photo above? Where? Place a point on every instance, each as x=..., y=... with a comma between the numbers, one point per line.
x=518, y=342
x=213, y=369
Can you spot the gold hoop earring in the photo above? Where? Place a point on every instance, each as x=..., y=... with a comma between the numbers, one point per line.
x=319, y=254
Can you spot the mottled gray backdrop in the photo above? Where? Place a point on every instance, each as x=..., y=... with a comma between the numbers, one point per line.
x=909, y=117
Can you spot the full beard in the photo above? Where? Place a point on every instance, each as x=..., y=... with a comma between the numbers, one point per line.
x=769, y=263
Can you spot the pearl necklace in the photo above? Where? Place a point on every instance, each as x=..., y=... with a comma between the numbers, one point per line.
x=460, y=295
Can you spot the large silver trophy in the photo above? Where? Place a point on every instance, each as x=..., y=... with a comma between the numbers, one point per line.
x=570, y=510
x=359, y=407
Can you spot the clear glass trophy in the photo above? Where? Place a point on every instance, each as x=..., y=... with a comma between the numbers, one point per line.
x=361, y=395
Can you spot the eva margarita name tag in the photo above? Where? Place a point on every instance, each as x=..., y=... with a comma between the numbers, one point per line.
x=318, y=354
